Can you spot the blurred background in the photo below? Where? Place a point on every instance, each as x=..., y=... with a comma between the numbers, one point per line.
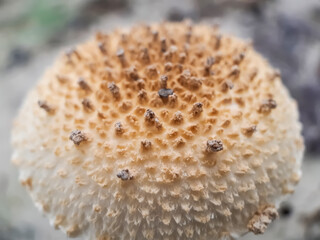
x=287, y=32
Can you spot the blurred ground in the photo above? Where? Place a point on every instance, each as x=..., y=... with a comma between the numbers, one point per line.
x=33, y=32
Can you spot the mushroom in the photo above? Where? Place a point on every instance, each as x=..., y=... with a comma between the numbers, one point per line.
x=139, y=158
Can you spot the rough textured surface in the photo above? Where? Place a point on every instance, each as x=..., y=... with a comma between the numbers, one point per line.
x=261, y=220
x=201, y=162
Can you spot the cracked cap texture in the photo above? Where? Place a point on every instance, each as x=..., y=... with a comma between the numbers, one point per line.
x=163, y=131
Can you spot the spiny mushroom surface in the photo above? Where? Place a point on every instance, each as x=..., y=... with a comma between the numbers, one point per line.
x=167, y=131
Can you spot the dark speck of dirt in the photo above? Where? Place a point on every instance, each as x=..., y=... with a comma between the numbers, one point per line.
x=165, y=92
x=285, y=210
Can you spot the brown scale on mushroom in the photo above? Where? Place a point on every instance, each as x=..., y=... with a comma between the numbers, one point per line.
x=208, y=64
x=101, y=36
x=188, y=81
x=118, y=128
x=249, y=130
x=141, y=84
x=197, y=109
x=124, y=175
x=235, y=71
x=151, y=119
x=62, y=78
x=163, y=81
x=149, y=116
x=77, y=137
x=132, y=73
x=125, y=106
x=267, y=105
x=168, y=66
x=83, y=84
x=158, y=124
x=260, y=221
x=172, y=100
x=142, y=96
x=214, y=146
x=115, y=91
x=226, y=85
x=163, y=42
x=121, y=56
x=87, y=105
x=194, y=83
x=182, y=57
x=145, y=55
x=177, y=118
x=178, y=68
x=179, y=142
x=152, y=71
x=146, y=144
x=45, y=106
x=218, y=41
x=238, y=58
x=174, y=105
x=73, y=52
x=102, y=48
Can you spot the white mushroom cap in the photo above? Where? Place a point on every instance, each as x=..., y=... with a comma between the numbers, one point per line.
x=169, y=131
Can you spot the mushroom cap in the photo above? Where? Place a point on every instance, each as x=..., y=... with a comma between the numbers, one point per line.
x=165, y=131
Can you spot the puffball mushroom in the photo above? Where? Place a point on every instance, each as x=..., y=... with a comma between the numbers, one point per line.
x=165, y=131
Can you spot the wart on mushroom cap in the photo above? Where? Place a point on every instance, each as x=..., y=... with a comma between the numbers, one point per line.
x=124, y=175
x=77, y=137
x=197, y=109
x=214, y=146
x=83, y=84
x=183, y=125
x=267, y=105
x=44, y=105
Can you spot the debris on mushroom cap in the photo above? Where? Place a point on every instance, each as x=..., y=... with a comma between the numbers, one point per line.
x=214, y=146
x=124, y=175
x=190, y=137
x=165, y=92
x=77, y=137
